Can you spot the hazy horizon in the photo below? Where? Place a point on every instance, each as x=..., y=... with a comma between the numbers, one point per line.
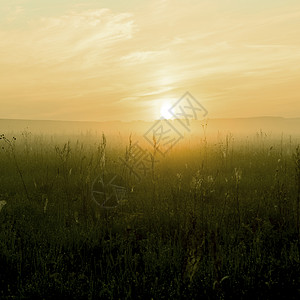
x=273, y=126
x=148, y=121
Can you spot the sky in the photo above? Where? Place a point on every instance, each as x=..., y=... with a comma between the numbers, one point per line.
x=107, y=60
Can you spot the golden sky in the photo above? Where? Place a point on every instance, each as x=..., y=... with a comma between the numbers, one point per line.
x=121, y=60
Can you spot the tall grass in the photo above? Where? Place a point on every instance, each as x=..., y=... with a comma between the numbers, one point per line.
x=212, y=220
x=297, y=167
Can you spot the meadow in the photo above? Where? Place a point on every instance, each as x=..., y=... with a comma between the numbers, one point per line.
x=216, y=218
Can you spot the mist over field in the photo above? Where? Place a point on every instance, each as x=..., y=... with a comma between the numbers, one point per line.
x=274, y=126
x=97, y=209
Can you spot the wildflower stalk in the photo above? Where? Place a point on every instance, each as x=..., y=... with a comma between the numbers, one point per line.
x=128, y=160
x=238, y=176
x=153, y=161
x=12, y=149
x=297, y=165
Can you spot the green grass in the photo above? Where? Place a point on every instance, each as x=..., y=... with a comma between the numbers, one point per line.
x=217, y=220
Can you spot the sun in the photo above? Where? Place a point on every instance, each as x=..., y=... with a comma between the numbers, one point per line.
x=164, y=110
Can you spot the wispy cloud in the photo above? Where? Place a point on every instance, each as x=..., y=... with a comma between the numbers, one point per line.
x=57, y=39
x=142, y=56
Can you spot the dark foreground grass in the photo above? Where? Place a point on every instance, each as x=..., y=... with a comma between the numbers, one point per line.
x=211, y=221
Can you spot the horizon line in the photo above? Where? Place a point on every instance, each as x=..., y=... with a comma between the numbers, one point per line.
x=148, y=121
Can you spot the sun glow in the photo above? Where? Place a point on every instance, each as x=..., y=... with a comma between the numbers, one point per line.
x=164, y=110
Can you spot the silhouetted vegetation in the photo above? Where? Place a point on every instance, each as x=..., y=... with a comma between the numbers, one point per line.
x=217, y=220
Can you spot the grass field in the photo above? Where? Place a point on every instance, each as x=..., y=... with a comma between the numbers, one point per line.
x=217, y=219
